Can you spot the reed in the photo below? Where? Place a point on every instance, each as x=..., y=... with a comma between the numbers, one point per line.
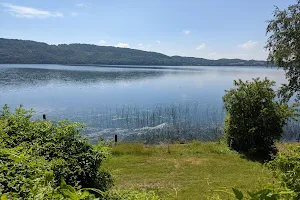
x=171, y=123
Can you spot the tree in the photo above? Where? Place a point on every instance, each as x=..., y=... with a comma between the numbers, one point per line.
x=29, y=52
x=284, y=47
x=254, y=119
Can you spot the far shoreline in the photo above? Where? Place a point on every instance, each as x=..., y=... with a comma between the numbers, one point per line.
x=171, y=67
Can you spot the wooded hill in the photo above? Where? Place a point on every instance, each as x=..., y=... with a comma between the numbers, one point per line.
x=15, y=51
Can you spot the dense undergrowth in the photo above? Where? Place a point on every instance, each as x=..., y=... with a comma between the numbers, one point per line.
x=48, y=160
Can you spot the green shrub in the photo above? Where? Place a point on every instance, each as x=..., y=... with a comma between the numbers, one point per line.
x=286, y=166
x=268, y=192
x=254, y=119
x=31, y=148
x=25, y=179
x=19, y=171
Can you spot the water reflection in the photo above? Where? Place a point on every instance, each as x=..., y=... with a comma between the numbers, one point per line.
x=36, y=75
x=31, y=77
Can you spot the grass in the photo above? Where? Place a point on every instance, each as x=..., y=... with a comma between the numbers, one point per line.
x=184, y=171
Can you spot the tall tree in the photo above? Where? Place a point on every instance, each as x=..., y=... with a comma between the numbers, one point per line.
x=284, y=47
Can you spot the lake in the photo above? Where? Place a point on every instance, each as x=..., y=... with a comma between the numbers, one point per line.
x=150, y=104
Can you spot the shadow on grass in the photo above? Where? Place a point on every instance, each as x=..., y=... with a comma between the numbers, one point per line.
x=260, y=155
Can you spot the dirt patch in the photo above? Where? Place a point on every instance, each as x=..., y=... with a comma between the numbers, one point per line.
x=195, y=161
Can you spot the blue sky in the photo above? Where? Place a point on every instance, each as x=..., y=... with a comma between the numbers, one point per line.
x=199, y=28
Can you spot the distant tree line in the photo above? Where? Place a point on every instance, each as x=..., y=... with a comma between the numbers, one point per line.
x=30, y=52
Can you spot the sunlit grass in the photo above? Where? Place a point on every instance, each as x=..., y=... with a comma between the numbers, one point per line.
x=184, y=171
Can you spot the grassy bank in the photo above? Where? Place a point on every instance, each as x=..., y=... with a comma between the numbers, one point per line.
x=184, y=171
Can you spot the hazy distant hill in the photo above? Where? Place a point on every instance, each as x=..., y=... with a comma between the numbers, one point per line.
x=31, y=52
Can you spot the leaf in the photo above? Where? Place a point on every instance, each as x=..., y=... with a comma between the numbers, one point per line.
x=3, y=197
x=63, y=184
x=48, y=177
x=67, y=193
x=84, y=194
x=70, y=188
x=238, y=194
x=95, y=190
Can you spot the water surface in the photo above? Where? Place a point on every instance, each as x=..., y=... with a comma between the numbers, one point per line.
x=127, y=99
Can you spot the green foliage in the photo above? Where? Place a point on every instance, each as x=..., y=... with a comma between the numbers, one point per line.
x=238, y=194
x=284, y=46
x=268, y=192
x=19, y=170
x=30, y=52
x=254, y=119
x=287, y=167
x=25, y=176
x=31, y=149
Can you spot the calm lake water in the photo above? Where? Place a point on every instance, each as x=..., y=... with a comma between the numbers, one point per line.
x=136, y=102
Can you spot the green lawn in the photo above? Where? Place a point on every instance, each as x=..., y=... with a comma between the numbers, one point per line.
x=184, y=171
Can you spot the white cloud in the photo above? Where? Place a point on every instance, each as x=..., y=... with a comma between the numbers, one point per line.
x=201, y=46
x=122, y=45
x=248, y=45
x=140, y=44
x=157, y=41
x=187, y=32
x=212, y=54
x=28, y=12
x=102, y=42
x=81, y=5
x=74, y=14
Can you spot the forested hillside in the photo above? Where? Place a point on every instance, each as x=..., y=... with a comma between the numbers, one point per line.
x=31, y=52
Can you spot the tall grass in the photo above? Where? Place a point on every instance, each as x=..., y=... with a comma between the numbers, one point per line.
x=170, y=123
x=132, y=117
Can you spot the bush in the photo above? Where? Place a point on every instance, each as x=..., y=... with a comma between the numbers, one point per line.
x=30, y=149
x=23, y=176
x=254, y=119
x=19, y=171
x=286, y=166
